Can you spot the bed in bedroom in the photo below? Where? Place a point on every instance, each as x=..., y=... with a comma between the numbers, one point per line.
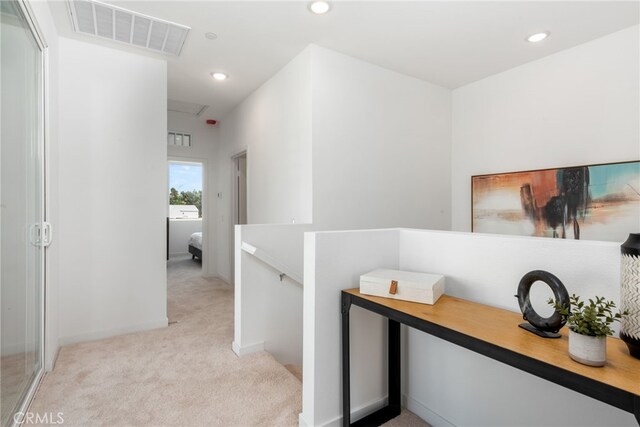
x=195, y=245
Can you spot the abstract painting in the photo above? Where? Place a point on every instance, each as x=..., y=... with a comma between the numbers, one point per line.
x=597, y=202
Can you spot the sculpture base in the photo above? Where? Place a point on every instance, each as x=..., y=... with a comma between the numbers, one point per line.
x=538, y=332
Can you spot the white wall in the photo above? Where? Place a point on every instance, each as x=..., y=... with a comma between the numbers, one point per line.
x=380, y=157
x=440, y=378
x=579, y=106
x=204, y=149
x=381, y=147
x=268, y=311
x=444, y=384
x=180, y=231
x=378, y=143
x=204, y=137
x=334, y=261
x=274, y=125
x=112, y=181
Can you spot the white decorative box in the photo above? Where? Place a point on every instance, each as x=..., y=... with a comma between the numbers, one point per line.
x=404, y=285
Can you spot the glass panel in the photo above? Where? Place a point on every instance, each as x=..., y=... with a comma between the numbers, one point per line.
x=21, y=205
x=185, y=190
x=178, y=139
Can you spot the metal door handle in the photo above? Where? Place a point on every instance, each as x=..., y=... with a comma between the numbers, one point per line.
x=46, y=235
x=34, y=234
x=41, y=234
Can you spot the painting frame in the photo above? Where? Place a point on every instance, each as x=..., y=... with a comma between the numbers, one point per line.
x=479, y=188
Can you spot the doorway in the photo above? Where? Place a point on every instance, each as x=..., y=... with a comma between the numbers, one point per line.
x=186, y=212
x=240, y=192
x=238, y=201
x=23, y=231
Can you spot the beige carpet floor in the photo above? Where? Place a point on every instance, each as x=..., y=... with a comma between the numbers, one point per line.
x=183, y=375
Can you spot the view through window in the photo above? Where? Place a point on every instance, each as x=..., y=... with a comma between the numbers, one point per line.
x=185, y=190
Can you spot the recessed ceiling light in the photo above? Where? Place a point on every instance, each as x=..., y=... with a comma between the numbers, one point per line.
x=219, y=76
x=320, y=7
x=538, y=37
x=211, y=36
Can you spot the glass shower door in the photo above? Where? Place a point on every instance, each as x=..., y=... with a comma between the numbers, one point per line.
x=21, y=210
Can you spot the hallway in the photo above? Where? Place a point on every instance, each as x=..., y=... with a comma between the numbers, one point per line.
x=185, y=374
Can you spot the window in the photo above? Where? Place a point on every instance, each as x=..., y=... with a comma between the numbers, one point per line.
x=179, y=138
x=185, y=190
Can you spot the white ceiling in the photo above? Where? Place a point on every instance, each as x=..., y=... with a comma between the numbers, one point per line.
x=450, y=43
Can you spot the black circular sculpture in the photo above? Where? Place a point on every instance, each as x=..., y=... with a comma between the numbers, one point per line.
x=546, y=327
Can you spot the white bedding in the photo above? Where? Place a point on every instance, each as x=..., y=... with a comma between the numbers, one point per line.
x=196, y=240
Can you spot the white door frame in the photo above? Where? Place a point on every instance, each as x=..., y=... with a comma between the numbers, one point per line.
x=43, y=149
x=233, y=215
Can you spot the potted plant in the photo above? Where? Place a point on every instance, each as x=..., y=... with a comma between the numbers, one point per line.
x=589, y=326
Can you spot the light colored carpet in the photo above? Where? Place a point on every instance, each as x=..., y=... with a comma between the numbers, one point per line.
x=295, y=370
x=406, y=419
x=183, y=375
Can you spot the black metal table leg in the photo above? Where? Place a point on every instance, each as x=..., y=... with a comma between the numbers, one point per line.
x=394, y=404
x=636, y=408
x=395, y=392
x=346, y=377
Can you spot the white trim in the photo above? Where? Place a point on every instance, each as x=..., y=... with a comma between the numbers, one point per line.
x=360, y=412
x=239, y=153
x=418, y=408
x=241, y=351
x=51, y=362
x=302, y=422
x=421, y=410
x=42, y=125
x=225, y=279
x=107, y=333
x=51, y=346
x=33, y=24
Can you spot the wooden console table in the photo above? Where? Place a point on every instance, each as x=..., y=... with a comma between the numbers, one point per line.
x=494, y=333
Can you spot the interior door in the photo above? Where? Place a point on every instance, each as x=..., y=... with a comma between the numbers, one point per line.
x=21, y=209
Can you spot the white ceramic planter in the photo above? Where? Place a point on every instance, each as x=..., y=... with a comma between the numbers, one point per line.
x=587, y=350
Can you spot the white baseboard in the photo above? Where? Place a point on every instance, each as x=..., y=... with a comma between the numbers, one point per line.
x=409, y=403
x=357, y=413
x=302, y=422
x=421, y=410
x=107, y=333
x=50, y=363
x=247, y=349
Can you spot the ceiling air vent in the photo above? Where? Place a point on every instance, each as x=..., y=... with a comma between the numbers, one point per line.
x=124, y=26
